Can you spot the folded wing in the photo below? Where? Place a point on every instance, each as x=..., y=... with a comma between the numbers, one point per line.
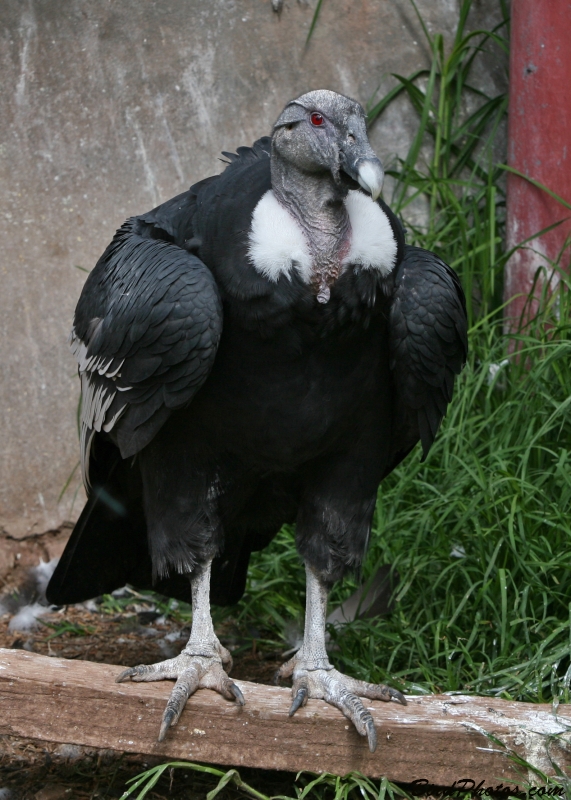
x=428, y=345
x=145, y=335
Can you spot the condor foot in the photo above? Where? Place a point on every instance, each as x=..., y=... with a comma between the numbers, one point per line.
x=191, y=672
x=323, y=682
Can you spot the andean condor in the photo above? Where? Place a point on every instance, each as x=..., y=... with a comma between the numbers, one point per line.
x=262, y=349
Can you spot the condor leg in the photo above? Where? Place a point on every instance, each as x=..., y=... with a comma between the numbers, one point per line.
x=203, y=664
x=313, y=675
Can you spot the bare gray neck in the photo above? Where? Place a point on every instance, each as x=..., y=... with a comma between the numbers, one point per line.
x=315, y=201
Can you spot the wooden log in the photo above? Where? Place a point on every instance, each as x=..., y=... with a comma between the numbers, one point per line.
x=439, y=738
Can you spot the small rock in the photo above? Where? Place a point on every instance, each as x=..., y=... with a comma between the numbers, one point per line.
x=71, y=752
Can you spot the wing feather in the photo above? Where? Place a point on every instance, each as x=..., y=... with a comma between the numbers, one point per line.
x=145, y=336
x=428, y=344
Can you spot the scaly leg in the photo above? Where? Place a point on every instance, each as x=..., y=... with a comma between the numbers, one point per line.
x=313, y=675
x=200, y=665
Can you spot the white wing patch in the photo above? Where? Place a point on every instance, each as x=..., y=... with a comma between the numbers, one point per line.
x=278, y=244
x=96, y=397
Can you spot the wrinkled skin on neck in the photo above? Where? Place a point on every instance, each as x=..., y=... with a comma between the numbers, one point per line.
x=315, y=201
x=320, y=150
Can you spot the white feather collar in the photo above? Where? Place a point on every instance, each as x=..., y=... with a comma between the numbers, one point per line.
x=277, y=244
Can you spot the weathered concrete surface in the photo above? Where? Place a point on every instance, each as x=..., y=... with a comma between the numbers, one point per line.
x=108, y=109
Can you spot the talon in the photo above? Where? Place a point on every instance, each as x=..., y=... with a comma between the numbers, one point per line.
x=167, y=721
x=238, y=696
x=299, y=700
x=191, y=672
x=398, y=696
x=314, y=676
x=371, y=734
x=199, y=666
x=342, y=692
x=127, y=673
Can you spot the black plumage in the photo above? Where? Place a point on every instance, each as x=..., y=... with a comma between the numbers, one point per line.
x=219, y=403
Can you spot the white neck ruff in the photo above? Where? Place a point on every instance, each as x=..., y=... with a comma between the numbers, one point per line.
x=277, y=244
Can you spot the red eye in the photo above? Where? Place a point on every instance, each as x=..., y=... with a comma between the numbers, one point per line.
x=316, y=119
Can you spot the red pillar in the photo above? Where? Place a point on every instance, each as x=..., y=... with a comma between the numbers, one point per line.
x=539, y=140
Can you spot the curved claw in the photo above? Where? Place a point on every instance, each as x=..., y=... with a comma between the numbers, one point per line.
x=238, y=696
x=127, y=673
x=341, y=691
x=168, y=717
x=148, y=672
x=351, y=706
x=371, y=734
x=374, y=691
x=186, y=685
x=299, y=700
x=191, y=672
x=398, y=696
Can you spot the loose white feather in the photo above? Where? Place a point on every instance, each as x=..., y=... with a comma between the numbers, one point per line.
x=43, y=572
x=27, y=617
x=29, y=602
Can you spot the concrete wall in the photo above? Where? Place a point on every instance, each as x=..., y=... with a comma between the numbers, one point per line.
x=109, y=108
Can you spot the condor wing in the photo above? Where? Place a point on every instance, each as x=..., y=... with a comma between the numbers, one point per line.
x=428, y=346
x=145, y=335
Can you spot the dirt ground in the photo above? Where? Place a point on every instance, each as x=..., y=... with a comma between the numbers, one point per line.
x=126, y=639
x=32, y=772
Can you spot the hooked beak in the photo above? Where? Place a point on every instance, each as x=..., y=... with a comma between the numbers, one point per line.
x=367, y=170
x=360, y=162
x=370, y=176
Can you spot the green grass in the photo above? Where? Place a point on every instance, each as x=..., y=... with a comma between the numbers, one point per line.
x=305, y=785
x=450, y=169
x=61, y=628
x=497, y=487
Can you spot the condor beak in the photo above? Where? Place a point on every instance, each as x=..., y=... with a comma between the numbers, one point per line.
x=359, y=161
x=370, y=176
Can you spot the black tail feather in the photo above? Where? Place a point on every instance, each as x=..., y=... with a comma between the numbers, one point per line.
x=108, y=546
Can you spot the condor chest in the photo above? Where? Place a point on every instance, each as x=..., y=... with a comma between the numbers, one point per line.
x=278, y=396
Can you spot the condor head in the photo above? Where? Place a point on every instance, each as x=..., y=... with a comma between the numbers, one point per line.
x=323, y=131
